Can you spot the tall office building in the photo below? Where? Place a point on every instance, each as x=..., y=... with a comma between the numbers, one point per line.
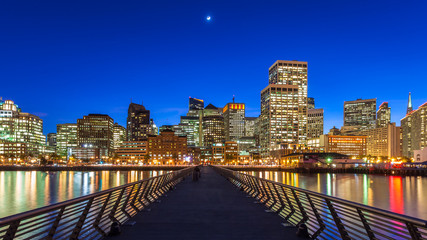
x=314, y=123
x=191, y=125
x=66, y=138
x=310, y=103
x=234, y=121
x=17, y=126
x=138, y=122
x=96, y=131
x=414, y=131
x=284, y=106
x=213, y=126
x=360, y=113
x=383, y=115
x=119, y=135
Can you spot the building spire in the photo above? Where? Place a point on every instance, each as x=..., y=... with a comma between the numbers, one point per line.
x=233, y=98
x=409, y=109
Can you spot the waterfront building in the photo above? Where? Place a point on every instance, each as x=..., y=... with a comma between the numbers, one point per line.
x=310, y=103
x=361, y=113
x=231, y=152
x=194, y=154
x=206, y=154
x=414, y=130
x=119, y=135
x=322, y=160
x=250, y=126
x=133, y=152
x=138, y=123
x=18, y=126
x=51, y=139
x=234, y=121
x=87, y=154
x=96, y=131
x=314, y=123
x=12, y=151
x=383, y=115
x=284, y=106
x=218, y=151
x=348, y=145
x=213, y=126
x=66, y=138
x=167, y=147
x=384, y=141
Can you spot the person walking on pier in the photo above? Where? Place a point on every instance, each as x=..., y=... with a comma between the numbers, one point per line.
x=196, y=173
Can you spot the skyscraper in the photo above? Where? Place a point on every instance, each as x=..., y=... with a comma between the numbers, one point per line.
x=66, y=138
x=360, y=113
x=190, y=125
x=213, y=126
x=414, y=131
x=96, y=131
x=314, y=123
x=383, y=115
x=138, y=122
x=284, y=106
x=234, y=121
x=119, y=135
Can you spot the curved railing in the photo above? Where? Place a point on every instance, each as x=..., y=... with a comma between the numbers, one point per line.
x=327, y=217
x=89, y=217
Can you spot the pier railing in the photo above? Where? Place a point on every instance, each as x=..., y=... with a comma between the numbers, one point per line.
x=327, y=217
x=90, y=216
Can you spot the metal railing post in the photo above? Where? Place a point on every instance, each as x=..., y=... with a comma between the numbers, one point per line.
x=301, y=207
x=100, y=214
x=55, y=223
x=116, y=204
x=318, y=218
x=337, y=220
x=365, y=223
x=11, y=231
x=79, y=225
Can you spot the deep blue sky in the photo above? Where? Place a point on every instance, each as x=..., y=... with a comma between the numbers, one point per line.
x=64, y=59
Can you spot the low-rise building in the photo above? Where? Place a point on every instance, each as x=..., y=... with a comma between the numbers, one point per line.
x=348, y=145
x=167, y=147
x=12, y=151
x=133, y=152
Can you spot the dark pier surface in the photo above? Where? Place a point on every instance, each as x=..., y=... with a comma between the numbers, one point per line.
x=211, y=208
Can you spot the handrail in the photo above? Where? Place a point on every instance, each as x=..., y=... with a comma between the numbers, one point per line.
x=327, y=217
x=89, y=216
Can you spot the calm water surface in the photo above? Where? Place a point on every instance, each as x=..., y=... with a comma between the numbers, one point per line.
x=405, y=195
x=21, y=191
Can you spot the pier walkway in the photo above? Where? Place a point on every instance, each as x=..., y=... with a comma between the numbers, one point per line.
x=211, y=208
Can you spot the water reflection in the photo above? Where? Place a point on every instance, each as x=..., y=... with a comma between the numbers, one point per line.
x=21, y=191
x=398, y=194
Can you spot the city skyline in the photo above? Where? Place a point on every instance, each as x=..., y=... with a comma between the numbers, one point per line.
x=113, y=56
